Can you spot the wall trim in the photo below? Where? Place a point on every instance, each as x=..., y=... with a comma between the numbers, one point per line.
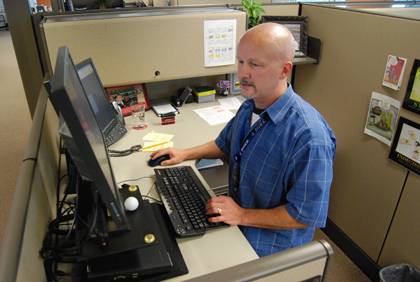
x=366, y=264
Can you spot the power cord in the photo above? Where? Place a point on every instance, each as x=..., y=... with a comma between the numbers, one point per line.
x=134, y=179
x=123, y=153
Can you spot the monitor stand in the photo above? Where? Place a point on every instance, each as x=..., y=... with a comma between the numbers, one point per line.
x=147, y=251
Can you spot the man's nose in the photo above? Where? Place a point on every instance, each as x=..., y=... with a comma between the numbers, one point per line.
x=243, y=71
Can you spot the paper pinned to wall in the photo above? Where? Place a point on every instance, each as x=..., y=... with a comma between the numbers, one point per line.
x=382, y=117
x=394, y=71
x=219, y=42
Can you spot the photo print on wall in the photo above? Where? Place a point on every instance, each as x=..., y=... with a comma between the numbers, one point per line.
x=394, y=71
x=382, y=117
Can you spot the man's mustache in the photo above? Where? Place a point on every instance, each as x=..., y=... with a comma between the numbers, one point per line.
x=246, y=83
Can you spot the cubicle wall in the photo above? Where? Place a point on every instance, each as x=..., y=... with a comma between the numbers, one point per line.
x=413, y=13
x=129, y=48
x=41, y=208
x=34, y=200
x=147, y=46
x=367, y=185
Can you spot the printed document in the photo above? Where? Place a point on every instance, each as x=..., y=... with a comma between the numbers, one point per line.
x=215, y=115
x=231, y=103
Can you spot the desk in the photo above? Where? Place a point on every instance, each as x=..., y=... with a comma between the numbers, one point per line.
x=217, y=249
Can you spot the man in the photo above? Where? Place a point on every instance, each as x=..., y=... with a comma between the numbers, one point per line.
x=279, y=148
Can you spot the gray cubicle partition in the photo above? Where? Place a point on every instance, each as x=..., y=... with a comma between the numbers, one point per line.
x=367, y=186
x=305, y=263
x=33, y=200
x=412, y=13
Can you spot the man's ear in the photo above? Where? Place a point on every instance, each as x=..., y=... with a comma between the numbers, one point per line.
x=286, y=70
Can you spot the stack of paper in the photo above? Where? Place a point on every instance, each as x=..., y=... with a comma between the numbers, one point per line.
x=154, y=141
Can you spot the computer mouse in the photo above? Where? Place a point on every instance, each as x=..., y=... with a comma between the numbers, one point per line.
x=158, y=160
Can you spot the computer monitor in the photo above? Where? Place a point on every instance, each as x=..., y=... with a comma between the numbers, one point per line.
x=67, y=95
x=107, y=252
x=109, y=121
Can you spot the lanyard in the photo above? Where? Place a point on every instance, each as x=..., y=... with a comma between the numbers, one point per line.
x=260, y=123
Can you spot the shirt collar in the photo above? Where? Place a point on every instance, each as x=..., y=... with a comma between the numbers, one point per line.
x=279, y=108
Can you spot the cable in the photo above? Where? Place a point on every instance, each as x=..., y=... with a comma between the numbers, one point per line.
x=29, y=159
x=57, y=196
x=154, y=199
x=151, y=188
x=123, y=153
x=134, y=179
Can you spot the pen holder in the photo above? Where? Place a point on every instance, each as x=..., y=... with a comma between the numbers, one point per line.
x=168, y=118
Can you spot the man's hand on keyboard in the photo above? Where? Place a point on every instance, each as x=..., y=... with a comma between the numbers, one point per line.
x=227, y=209
x=177, y=156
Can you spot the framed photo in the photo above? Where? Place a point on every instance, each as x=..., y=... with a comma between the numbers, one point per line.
x=234, y=84
x=412, y=96
x=405, y=148
x=297, y=26
x=128, y=96
x=394, y=71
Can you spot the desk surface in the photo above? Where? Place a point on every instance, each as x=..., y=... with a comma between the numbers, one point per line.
x=217, y=249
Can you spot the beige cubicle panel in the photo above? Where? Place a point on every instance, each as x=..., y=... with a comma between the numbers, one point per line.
x=413, y=13
x=34, y=202
x=213, y=2
x=402, y=243
x=355, y=46
x=281, y=10
x=138, y=47
x=42, y=201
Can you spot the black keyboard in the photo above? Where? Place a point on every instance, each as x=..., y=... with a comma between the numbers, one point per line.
x=184, y=198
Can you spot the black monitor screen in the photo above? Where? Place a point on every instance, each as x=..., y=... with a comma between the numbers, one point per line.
x=101, y=107
x=67, y=95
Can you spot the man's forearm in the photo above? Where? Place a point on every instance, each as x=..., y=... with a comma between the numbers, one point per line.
x=276, y=218
x=209, y=151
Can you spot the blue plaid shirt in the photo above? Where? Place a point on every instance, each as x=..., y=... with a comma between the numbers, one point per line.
x=288, y=162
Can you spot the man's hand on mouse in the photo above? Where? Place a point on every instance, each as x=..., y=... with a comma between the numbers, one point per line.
x=177, y=156
x=227, y=209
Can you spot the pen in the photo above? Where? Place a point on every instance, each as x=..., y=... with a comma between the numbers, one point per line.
x=154, y=145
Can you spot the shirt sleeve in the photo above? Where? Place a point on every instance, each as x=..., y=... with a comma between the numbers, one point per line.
x=224, y=138
x=310, y=177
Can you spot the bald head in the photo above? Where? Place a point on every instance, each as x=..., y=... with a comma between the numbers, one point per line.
x=273, y=38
